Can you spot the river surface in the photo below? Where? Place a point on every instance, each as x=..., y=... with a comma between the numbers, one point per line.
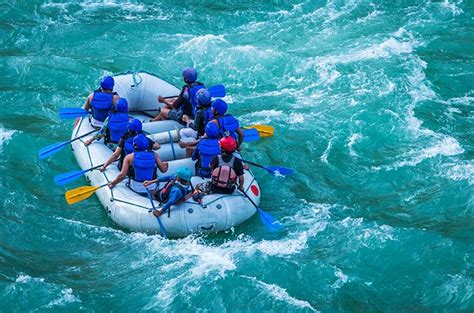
x=372, y=102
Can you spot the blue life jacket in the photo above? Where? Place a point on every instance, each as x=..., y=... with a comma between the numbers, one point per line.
x=118, y=126
x=192, y=90
x=144, y=166
x=102, y=103
x=208, y=149
x=228, y=125
x=128, y=144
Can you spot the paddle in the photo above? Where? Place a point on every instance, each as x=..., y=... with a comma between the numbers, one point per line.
x=274, y=170
x=162, y=228
x=267, y=220
x=80, y=193
x=263, y=130
x=251, y=135
x=68, y=177
x=72, y=113
x=217, y=91
x=52, y=149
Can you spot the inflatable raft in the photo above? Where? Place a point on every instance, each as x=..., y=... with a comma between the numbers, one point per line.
x=218, y=212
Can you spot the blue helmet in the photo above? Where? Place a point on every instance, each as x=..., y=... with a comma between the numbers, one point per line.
x=122, y=105
x=107, y=83
x=190, y=75
x=184, y=173
x=140, y=142
x=203, y=96
x=220, y=106
x=135, y=125
x=212, y=130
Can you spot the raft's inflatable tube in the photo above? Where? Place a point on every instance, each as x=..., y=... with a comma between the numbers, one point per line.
x=218, y=212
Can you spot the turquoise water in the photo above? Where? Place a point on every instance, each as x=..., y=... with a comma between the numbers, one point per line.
x=372, y=102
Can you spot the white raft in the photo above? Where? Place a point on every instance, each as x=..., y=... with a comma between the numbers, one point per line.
x=129, y=210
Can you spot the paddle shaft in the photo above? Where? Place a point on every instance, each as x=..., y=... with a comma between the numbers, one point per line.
x=68, y=142
x=162, y=228
x=254, y=164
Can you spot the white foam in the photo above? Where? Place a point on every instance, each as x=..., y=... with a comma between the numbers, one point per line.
x=452, y=7
x=66, y=297
x=369, y=16
x=295, y=118
x=200, y=42
x=22, y=278
x=461, y=171
x=280, y=293
x=354, y=138
x=324, y=156
x=5, y=135
x=341, y=278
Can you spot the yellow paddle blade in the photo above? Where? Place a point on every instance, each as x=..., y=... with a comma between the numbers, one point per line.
x=263, y=130
x=78, y=194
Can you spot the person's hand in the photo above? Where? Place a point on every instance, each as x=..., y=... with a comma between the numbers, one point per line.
x=88, y=142
x=103, y=168
x=147, y=183
x=111, y=185
x=167, y=165
x=241, y=189
x=186, y=118
x=161, y=99
x=158, y=212
x=182, y=144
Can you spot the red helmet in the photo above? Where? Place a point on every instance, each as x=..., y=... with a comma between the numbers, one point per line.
x=228, y=144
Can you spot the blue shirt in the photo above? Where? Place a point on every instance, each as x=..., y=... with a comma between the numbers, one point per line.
x=175, y=193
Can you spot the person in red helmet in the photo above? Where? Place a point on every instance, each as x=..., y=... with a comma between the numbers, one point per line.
x=226, y=168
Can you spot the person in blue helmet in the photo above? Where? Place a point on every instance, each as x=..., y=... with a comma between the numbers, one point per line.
x=101, y=101
x=207, y=148
x=125, y=144
x=176, y=190
x=195, y=129
x=227, y=123
x=115, y=125
x=185, y=103
x=142, y=164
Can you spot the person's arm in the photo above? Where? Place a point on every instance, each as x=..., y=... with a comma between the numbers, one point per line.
x=241, y=183
x=126, y=164
x=112, y=158
x=239, y=171
x=214, y=163
x=100, y=134
x=241, y=137
x=175, y=195
x=87, y=106
x=162, y=165
x=115, y=99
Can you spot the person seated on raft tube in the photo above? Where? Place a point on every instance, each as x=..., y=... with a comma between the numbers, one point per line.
x=174, y=192
x=143, y=164
x=195, y=129
x=125, y=144
x=227, y=123
x=101, y=101
x=185, y=103
x=226, y=168
x=206, y=150
x=115, y=125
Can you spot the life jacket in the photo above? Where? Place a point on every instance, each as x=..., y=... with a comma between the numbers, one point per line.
x=102, y=103
x=208, y=149
x=192, y=90
x=144, y=166
x=118, y=126
x=224, y=176
x=164, y=193
x=228, y=126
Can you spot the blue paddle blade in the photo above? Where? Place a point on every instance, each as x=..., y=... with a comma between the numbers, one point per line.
x=269, y=222
x=51, y=149
x=217, y=91
x=71, y=113
x=279, y=171
x=65, y=178
x=251, y=135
